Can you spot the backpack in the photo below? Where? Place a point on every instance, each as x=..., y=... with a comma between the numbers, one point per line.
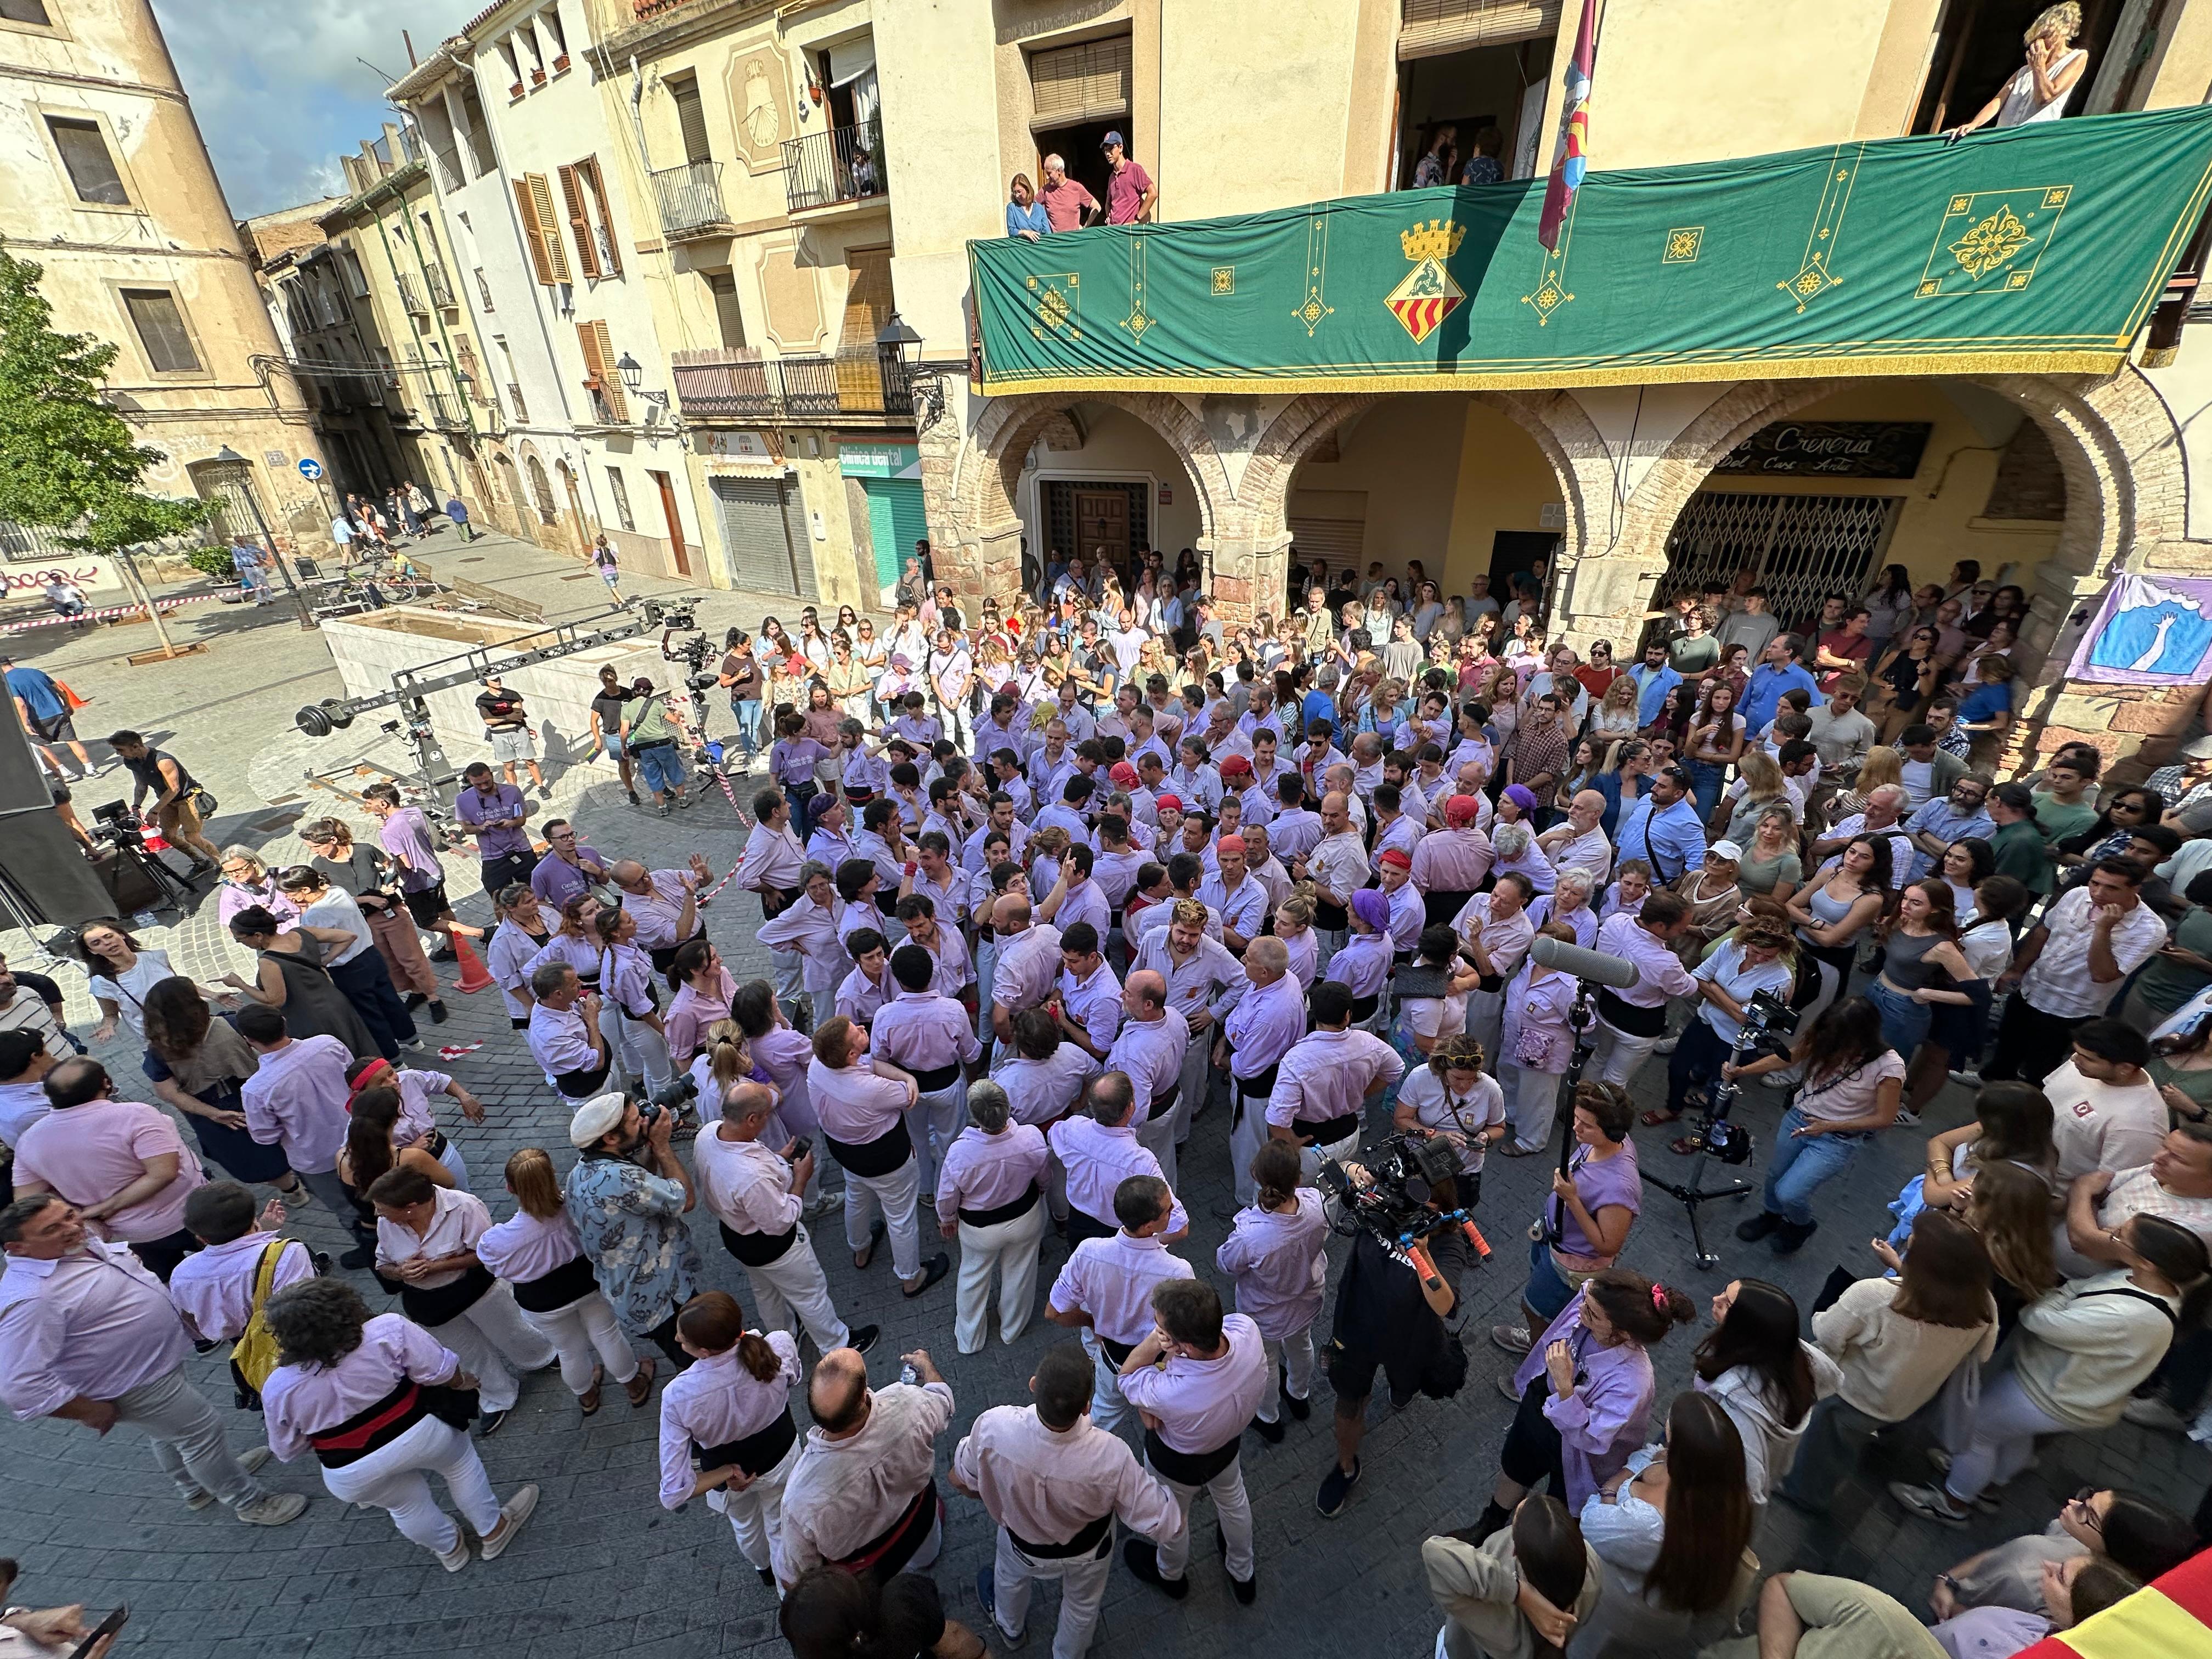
x=255, y=1356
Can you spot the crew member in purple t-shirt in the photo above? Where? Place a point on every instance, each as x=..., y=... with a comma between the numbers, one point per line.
x=404, y=833
x=1130, y=191
x=497, y=814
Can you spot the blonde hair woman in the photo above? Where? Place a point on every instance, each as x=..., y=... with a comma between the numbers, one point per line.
x=539, y=1251
x=1614, y=717
x=1294, y=918
x=2039, y=90
x=1763, y=786
x=1881, y=766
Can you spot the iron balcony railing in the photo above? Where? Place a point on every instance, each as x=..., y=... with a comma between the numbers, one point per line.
x=446, y=409
x=441, y=290
x=739, y=386
x=449, y=168
x=690, y=200
x=411, y=296
x=514, y=403
x=844, y=164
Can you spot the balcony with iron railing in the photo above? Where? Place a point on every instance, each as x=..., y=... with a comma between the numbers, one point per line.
x=441, y=288
x=833, y=169
x=690, y=201
x=449, y=176
x=445, y=408
x=519, y=409
x=736, y=384
x=411, y=296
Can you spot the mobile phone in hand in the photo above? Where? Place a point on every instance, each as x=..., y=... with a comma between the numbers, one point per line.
x=106, y=1628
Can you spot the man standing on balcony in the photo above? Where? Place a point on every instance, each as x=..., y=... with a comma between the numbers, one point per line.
x=1130, y=191
x=1068, y=205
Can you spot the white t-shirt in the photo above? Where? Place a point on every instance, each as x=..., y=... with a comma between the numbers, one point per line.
x=1434, y=1109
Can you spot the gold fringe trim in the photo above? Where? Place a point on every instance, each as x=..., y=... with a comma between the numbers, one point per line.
x=2103, y=361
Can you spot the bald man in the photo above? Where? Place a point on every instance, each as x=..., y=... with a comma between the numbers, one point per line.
x=1338, y=868
x=1580, y=843
x=665, y=903
x=864, y=1494
x=1149, y=1050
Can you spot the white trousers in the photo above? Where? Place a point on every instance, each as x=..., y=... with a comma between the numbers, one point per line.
x=1010, y=1249
x=587, y=1337
x=1233, y=1507
x=1110, y=1407
x=1486, y=1021
x=790, y=975
x=1311, y=1158
x=1616, y=1056
x=1083, y=1582
x=793, y=1284
x=1196, y=1083
x=642, y=1051
x=1532, y=1102
x=1156, y=1135
x=1248, y=1129
x=489, y=1338
x=755, y=1514
x=394, y=1478
x=892, y=1196
x=1295, y=1354
x=456, y=1166
x=933, y=1123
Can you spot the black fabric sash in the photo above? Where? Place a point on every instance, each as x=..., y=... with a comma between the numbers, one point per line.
x=936, y=1082
x=1090, y=1540
x=879, y=1157
x=583, y=1086
x=1330, y=917
x=1328, y=1134
x=1003, y=1213
x=758, y=1250
x=1119, y=1352
x=431, y=1308
x=891, y=1550
x=570, y=1282
x=372, y=1428
x=1082, y=1225
x=1188, y=1468
x=1363, y=1008
x=1260, y=1087
x=1627, y=1018
x=756, y=1453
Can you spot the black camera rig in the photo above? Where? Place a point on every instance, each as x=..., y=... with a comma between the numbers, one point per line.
x=1765, y=1029
x=1389, y=1193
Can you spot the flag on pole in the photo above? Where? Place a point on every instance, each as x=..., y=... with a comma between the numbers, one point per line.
x=1571, y=156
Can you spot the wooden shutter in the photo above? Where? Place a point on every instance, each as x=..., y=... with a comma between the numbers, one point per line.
x=599, y=359
x=867, y=308
x=527, y=211
x=1429, y=28
x=580, y=222
x=548, y=226
x=609, y=250
x=1085, y=83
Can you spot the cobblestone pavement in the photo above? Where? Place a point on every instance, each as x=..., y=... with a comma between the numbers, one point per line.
x=603, y=1570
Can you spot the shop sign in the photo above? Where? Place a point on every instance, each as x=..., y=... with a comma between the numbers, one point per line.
x=1832, y=449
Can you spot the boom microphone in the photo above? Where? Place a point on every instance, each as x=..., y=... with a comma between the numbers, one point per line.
x=1599, y=967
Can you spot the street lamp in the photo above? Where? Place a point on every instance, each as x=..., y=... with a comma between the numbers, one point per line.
x=633, y=380
x=898, y=343
x=228, y=457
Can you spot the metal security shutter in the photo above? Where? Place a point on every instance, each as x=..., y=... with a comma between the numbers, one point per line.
x=1429, y=28
x=691, y=118
x=1329, y=525
x=1802, y=546
x=801, y=539
x=1073, y=85
x=896, y=523
x=763, y=549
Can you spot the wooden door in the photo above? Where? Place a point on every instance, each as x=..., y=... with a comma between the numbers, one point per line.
x=1101, y=527
x=867, y=308
x=677, y=551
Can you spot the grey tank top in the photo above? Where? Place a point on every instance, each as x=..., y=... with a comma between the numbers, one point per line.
x=1906, y=965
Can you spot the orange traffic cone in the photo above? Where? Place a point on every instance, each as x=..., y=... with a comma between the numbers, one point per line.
x=474, y=977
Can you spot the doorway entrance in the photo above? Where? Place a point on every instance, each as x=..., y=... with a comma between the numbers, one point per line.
x=1979, y=48
x=1098, y=520
x=1514, y=553
x=679, y=554
x=1803, y=547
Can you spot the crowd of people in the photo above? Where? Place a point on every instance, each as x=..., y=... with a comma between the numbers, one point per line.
x=1050, y=887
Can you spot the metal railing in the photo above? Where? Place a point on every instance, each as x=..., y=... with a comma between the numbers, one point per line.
x=441, y=290
x=411, y=296
x=690, y=199
x=445, y=408
x=844, y=164
x=483, y=291
x=521, y=410
x=737, y=385
x=449, y=168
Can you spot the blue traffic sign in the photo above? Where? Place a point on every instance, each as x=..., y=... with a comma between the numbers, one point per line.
x=310, y=468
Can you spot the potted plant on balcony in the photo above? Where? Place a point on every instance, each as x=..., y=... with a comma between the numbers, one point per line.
x=561, y=64
x=515, y=91
x=537, y=77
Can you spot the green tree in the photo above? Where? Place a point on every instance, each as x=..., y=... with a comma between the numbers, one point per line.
x=68, y=461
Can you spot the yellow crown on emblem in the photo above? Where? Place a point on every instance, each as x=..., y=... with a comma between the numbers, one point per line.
x=1439, y=239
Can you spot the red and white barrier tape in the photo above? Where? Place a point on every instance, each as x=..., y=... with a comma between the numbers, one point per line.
x=103, y=614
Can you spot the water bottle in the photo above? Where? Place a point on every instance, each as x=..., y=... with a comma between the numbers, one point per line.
x=909, y=1376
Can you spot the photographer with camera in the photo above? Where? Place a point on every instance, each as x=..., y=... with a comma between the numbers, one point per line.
x=1394, y=1297
x=1753, y=961
x=628, y=1195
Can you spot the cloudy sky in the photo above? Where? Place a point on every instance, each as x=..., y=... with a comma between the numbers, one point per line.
x=279, y=88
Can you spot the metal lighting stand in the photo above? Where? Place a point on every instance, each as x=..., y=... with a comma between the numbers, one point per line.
x=1720, y=1097
x=1582, y=1017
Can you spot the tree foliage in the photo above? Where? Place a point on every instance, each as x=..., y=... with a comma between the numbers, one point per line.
x=68, y=461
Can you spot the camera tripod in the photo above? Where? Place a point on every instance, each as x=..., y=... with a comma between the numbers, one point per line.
x=1714, y=1132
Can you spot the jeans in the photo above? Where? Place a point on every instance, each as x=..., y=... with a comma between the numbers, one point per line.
x=1547, y=1291
x=1828, y=1453
x=1705, y=781
x=661, y=767
x=1083, y=1581
x=1903, y=1022
x=1698, y=1057
x=188, y=1438
x=1801, y=1163
x=1109, y=1406
x=587, y=1337
x=394, y=1478
x=748, y=713
x=2006, y=1424
x=330, y=1193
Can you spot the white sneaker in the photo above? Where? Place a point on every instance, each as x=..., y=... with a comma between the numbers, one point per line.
x=512, y=1516
x=459, y=1558
x=1665, y=1045
x=297, y=1198
x=272, y=1509
x=1971, y=1080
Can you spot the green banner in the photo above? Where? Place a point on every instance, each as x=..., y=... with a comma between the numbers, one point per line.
x=2039, y=249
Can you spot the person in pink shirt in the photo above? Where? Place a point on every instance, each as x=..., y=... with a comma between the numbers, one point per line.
x=1276, y=1255
x=1068, y=204
x=1130, y=191
x=122, y=1164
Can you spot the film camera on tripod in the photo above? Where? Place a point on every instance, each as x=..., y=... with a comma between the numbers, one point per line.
x=115, y=826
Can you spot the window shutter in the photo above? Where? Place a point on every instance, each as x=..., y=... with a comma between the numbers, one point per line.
x=610, y=249
x=691, y=120
x=580, y=222
x=1429, y=28
x=599, y=359
x=1081, y=83
x=548, y=225
x=531, y=233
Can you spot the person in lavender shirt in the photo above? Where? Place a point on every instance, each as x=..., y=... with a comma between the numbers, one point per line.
x=339, y=1367
x=570, y=866
x=1585, y=1394
x=497, y=814
x=1585, y=1221
x=1534, y=1045
x=404, y=833
x=1276, y=1255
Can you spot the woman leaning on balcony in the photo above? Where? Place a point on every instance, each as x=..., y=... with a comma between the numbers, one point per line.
x=1024, y=213
x=2041, y=87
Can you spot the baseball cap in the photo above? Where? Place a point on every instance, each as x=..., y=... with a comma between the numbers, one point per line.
x=597, y=1118
x=1110, y=140
x=2200, y=749
x=1725, y=849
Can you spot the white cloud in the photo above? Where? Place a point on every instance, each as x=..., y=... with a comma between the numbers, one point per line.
x=278, y=89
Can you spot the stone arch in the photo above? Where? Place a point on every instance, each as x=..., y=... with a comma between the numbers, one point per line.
x=989, y=471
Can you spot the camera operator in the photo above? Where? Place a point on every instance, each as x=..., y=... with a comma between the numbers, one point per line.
x=1586, y=1219
x=1389, y=1316
x=628, y=1194
x=1749, y=961
x=1450, y=1098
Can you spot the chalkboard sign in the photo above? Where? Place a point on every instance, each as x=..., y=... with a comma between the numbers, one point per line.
x=1832, y=449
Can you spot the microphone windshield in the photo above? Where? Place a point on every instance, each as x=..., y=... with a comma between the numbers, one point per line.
x=1599, y=967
